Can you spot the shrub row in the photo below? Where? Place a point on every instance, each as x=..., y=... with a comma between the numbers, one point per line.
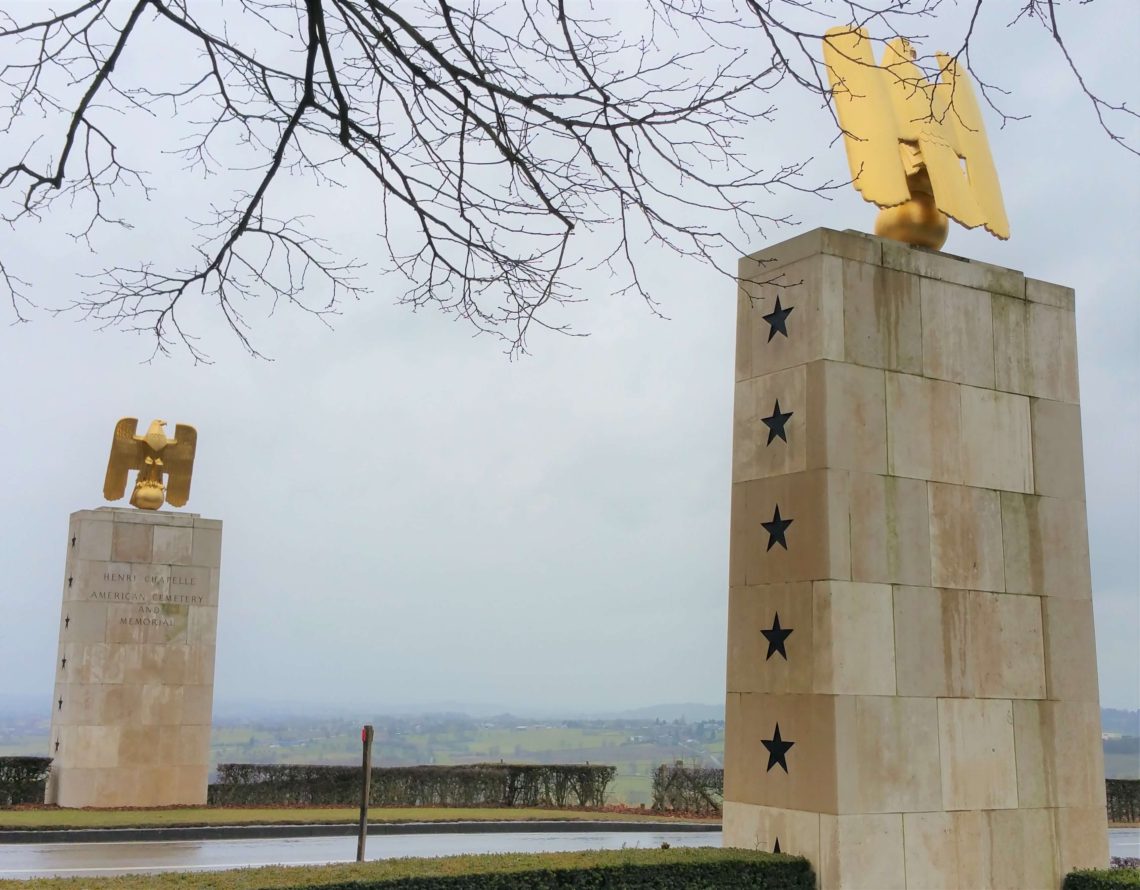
x=1123, y=800
x=22, y=779
x=1103, y=879
x=683, y=789
x=477, y=785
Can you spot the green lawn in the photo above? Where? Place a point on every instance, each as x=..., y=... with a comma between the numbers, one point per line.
x=49, y=817
x=505, y=869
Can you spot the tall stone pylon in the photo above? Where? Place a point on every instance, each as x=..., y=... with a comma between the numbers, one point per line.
x=134, y=672
x=912, y=684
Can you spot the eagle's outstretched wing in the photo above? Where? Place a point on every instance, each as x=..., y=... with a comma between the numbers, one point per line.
x=178, y=458
x=964, y=118
x=863, y=107
x=124, y=458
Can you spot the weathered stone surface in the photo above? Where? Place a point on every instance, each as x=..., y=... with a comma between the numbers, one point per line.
x=861, y=852
x=753, y=664
x=1046, y=546
x=966, y=538
x=924, y=428
x=888, y=758
x=934, y=598
x=979, y=771
x=133, y=692
x=882, y=318
x=1058, y=455
x=997, y=451
x=808, y=722
x=845, y=617
x=957, y=333
x=1035, y=349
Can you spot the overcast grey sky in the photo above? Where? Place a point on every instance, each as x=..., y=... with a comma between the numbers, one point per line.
x=411, y=518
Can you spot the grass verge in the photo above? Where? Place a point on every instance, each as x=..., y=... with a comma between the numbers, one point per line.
x=51, y=817
x=676, y=868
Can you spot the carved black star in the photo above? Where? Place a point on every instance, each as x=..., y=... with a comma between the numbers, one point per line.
x=776, y=422
x=776, y=636
x=63, y=663
x=70, y=578
x=61, y=708
x=777, y=750
x=73, y=540
x=67, y=620
x=778, y=320
x=57, y=746
x=775, y=846
x=776, y=529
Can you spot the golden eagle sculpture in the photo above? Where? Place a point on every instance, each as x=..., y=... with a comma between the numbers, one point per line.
x=154, y=456
x=917, y=149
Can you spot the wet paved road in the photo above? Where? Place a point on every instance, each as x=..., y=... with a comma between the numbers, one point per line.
x=90, y=860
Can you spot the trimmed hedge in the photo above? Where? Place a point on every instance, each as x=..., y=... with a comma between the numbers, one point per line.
x=673, y=869
x=477, y=785
x=1102, y=879
x=23, y=779
x=683, y=789
x=1123, y=800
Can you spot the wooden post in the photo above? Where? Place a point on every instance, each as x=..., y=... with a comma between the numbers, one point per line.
x=365, y=788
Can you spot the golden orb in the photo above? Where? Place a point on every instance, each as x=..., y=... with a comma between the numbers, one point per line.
x=917, y=221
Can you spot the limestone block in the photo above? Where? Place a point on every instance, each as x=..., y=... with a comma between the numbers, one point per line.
x=200, y=665
x=979, y=771
x=1050, y=294
x=92, y=540
x=1082, y=841
x=160, y=705
x=849, y=244
x=811, y=297
x=924, y=422
x=861, y=853
x=778, y=662
x=752, y=827
x=882, y=319
x=172, y=546
x=146, y=623
x=754, y=775
x=131, y=541
x=846, y=417
x=753, y=456
x=932, y=642
x=149, y=517
x=83, y=622
x=949, y=268
x=1017, y=841
x=193, y=746
x=996, y=442
x=966, y=538
x=197, y=705
x=889, y=529
x=1058, y=455
x=207, y=550
x=75, y=787
x=192, y=785
x=957, y=333
x=121, y=704
x=997, y=849
x=1060, y=761
x=1035, y=349
x=816, y=539
x=1046, y=546
x=203, y=625
x=1006, y=649
x=1070, y=650
x=846, y=617
x=887, y=761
